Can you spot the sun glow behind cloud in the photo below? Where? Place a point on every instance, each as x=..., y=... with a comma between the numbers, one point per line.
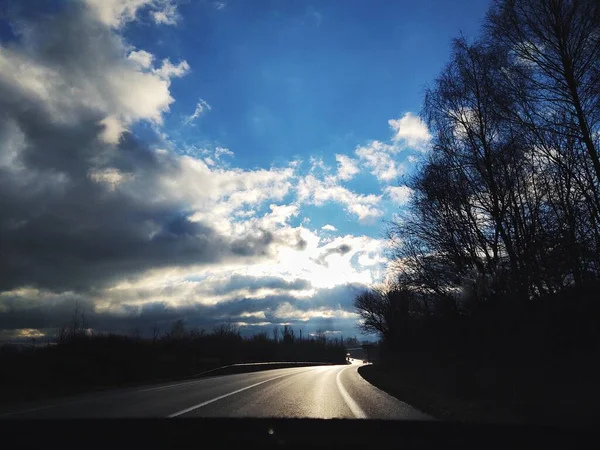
x=150, y=229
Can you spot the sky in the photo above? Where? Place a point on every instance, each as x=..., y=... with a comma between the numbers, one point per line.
x=208, y=160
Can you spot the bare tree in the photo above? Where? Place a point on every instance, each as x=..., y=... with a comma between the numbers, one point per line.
x=288, y=334
x=320, y=335
x=506, y=207
x=385, y=310
x=556, y=46
x=155, y=332
x=76, y=328
x=177, y=329
x=228, y=329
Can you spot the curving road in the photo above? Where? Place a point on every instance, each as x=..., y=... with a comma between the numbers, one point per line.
x=317, y=392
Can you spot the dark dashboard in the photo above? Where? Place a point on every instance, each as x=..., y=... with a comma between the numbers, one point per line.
x=212, y=433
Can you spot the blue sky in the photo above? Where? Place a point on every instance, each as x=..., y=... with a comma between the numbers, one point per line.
x=213, y=141
x=295, y=79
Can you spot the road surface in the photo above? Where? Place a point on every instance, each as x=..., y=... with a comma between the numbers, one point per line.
x=315, y=392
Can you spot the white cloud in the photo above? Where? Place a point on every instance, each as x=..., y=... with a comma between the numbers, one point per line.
x=217, y=194
x=466, y=121
x=286, y=311
x=256, y=315
x=113, y=128
x=111, y=177
x=318, y=192
x=103, y=82
x=411, y=131
x=118, y=91
x=279, y=215
x=399, y=195
x=201, y=106
x=14, y=141
x=168, y=70
x=317, y=164
x=219, y=5
x=223, y=151
x=347, y=167
x=301, y=273
x=379, y=157
x=142, y=58
x=116, y=13
x=371, y=259
x=167, y=15
x=210, y=156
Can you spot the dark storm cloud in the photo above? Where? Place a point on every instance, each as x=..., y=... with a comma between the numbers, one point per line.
x=61, y=230
x=70, y=236
x=339, y=250
x=37, y=312
x=253, y=284
x=301, y=244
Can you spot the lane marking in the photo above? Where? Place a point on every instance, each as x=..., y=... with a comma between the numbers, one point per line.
x=356, y=410
x=169, y=386
x=25, y=411
x=221, y=397
x=115, y=392
x=200, y=380
x=95, y=396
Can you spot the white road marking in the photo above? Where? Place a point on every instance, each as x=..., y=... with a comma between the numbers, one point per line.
x=208, y=402
x=115, y=392
x=87, y=397
x=159, y=388
x=186, y=383
x=356, y=410
x=24, y=411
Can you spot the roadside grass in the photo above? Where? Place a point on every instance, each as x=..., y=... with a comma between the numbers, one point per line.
x=563, y=393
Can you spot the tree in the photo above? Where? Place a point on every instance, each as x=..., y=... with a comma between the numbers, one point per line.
x=467, y=187
x=384, y=311
x=352, y=342
x=553, y=69
x=177, y=329
x=505, y=210
x=227, y=330
x=76, y=328
x=155, y=332
x=288, y=334
x=320, y=336
x=555, y=45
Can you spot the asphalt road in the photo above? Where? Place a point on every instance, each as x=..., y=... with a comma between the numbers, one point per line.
x=316, y=392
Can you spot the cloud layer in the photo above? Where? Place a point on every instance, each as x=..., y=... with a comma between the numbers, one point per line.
x=142, y=231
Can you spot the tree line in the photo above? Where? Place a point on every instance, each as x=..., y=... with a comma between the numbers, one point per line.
x=79, y=359
x=503, y=227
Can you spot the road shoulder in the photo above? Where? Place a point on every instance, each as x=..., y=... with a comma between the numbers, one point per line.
x=434, y=404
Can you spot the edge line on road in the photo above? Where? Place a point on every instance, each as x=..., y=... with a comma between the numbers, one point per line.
x=220, y=397
x=356, y=410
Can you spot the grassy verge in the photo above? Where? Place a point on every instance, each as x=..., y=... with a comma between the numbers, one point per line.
x=404, y=387
x=538, y=396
